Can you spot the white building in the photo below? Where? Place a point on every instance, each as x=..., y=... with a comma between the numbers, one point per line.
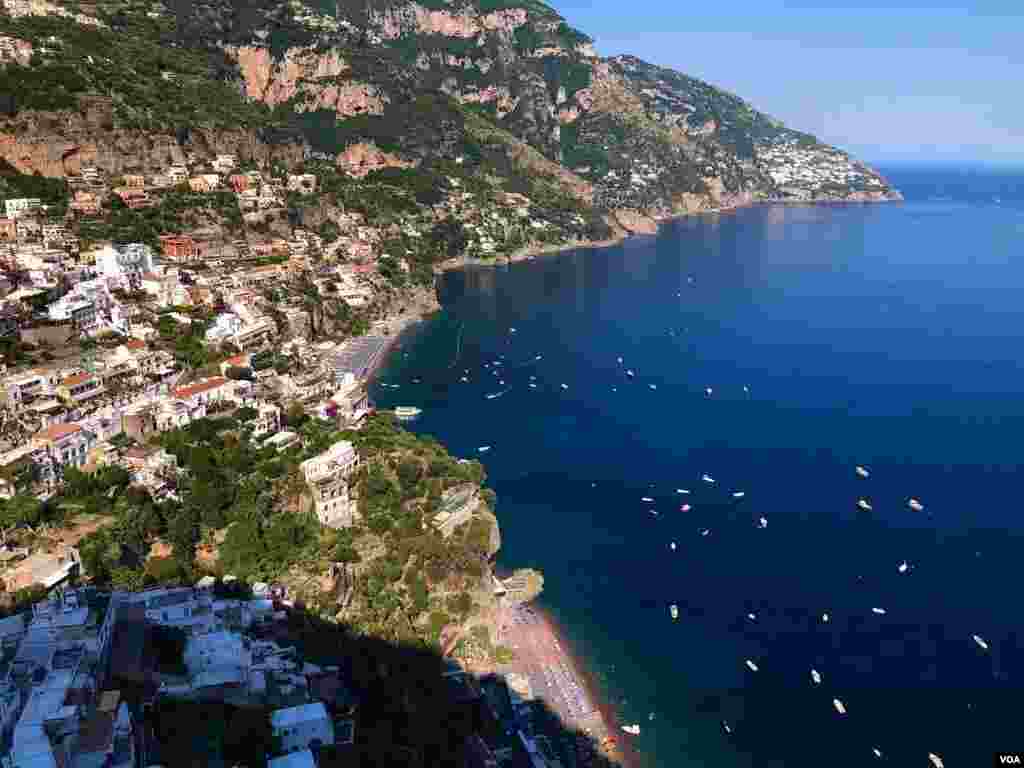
x=124, y=265
x=303, y=726
x=328, y=476
x=20, y=206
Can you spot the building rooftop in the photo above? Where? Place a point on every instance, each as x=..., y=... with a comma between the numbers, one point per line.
x=302, y=759
x=57, y=431
x=78, y=378
x=202, y=386
x=292, y=716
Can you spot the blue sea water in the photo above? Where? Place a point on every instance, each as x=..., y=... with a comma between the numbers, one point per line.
x=889, y=336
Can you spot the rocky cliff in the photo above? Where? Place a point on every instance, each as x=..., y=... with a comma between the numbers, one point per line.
x=505, y=88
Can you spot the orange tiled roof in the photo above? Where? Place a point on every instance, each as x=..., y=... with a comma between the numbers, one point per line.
x=78, y=378
x=57, y=431
x=135, y=344
x=202, y=386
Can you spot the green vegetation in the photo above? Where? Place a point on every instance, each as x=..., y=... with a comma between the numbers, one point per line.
x=129, y=61
x=177, y=210
x=52, y=192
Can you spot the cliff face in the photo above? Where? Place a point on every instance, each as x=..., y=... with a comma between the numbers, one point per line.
x=614, y=134
x=60, y=145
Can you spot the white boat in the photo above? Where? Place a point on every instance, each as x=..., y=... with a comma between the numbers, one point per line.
x=746, y=389
x=653, y=386
x=484, y=448
x=565, y=386
x=511, y=330
x=725, y=727
x=493, y=395
x=738, y=494
x=463, y=379
x=533, y=385
x=708, y=391
x=648, y=499
x=620, y=361
x=672, y=546
x=816, y=677
x=824, y=618
x=674, y=611
x=879, y=611
x=685, y=508
x=878, y=752
x=915, y=505
x=705, y=532
x=863, y=504
x=751, y=666
x=752, y=616
x=936, y=760
x=630, y=374
x=763, y=522
x=839, y=706
x=681, y=490
x=903, y=567
x=862, y=472
x=407, y=412
x=538, y=357
x=708, y=479
x=632, y=730
x=981, y=643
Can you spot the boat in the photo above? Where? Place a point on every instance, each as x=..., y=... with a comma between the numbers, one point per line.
x=878, y=752
x=725, y=727
x=816, y=676
x=863, y=504
x=981, y=643
x=685, y=508
x=630, y=374
x=672, y=546
x=674, y=611
x=533, y=385
x=708, y=479
x=565, y=386
x=708, y=391
x=762, y=522
x=407, y=412
x=538, y=357
x=493, y=395
x=824, y=618
x=620, y=361
x=751, y=666
x=903, y=567
x=861, y=472
x=915, y=505
x=632, y=730
x=752, y=616
x=839, y=706
x=653, y=386
x=647, y=499
x=746, y=389
x=936, y=760
x=511, y=330
x=464, y=379
x=681, y=490
x=705, y=532
x=483, y=448
x=879, y=611
x=738, y=494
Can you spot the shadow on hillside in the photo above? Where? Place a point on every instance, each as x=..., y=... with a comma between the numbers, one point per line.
x=409, y=705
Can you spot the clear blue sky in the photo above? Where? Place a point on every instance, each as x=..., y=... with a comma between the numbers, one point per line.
x=902, y=81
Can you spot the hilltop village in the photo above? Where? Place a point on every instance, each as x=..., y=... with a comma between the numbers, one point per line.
x=193, y=478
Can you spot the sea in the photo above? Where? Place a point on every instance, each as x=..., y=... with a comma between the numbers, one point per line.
x=774, y=350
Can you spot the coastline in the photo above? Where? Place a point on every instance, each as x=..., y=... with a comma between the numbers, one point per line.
x=651, y=227
x=424, y=305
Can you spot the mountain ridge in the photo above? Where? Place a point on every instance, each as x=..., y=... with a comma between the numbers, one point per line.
x=403, y=84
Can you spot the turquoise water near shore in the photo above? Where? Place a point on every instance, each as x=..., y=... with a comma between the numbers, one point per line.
x=887, y=336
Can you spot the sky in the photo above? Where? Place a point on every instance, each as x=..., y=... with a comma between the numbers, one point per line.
x=899, y=82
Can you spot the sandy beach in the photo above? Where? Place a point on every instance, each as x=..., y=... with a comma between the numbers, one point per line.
x=558, y=677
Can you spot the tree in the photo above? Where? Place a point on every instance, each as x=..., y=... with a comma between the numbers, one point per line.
x=17, y=512
x=294, y=414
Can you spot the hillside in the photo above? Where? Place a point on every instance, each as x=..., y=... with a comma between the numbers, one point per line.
x=447, y=106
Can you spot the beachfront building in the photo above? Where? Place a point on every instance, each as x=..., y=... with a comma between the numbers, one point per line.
x=302, y=727
x=328, y=477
